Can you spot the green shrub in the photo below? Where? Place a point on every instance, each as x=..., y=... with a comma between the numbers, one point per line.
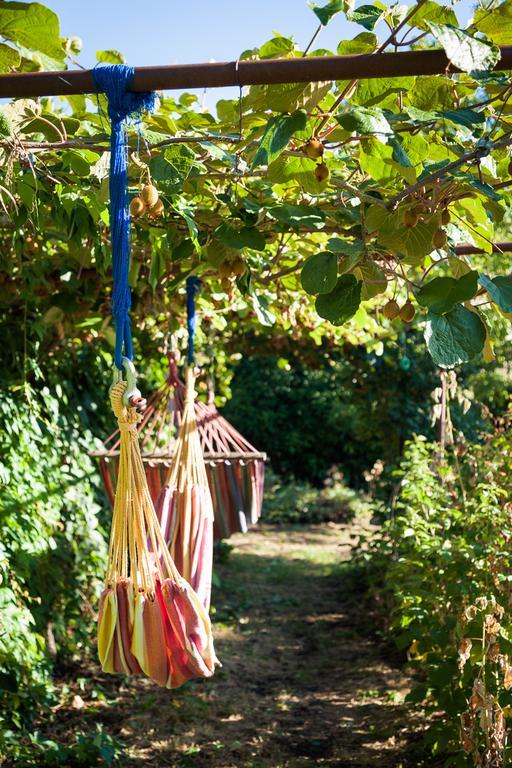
x=441, y=570
x=52, y=551
x=294, y=501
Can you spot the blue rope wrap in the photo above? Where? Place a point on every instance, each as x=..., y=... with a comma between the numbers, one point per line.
x=115, y=80
x=193, y=284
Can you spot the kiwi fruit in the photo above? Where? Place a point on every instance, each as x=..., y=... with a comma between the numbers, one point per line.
x=410, y=219
x=157, y=210
x=150, y=195
x=439, y=239
x=391, y=310
x=322, y=172
x=407, y=312
x=137, y=206
x=445, y=216
x=225, y=270
x=314, y=148
x=238, y=267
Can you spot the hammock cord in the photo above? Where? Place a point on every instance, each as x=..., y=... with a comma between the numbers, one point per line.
x=193, y=284
x=115, y=80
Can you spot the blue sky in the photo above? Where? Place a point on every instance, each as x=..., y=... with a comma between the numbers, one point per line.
x=168, y=32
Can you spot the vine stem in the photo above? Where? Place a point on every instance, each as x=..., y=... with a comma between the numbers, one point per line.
x=475, y=154
x=353, y=83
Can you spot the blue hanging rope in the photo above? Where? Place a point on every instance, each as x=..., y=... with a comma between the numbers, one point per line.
x=115, y=81
x=193, y=284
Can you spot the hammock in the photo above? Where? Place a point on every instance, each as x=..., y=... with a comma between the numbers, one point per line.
x=234, y=468
x=150, y=619
x=184, y=504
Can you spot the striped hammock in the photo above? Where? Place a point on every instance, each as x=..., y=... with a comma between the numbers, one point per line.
x=150, y=619
x=234, y=468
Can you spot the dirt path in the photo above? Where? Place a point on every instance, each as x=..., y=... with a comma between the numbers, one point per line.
x=302, y=683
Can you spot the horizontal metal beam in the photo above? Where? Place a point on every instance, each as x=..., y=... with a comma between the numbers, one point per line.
x=465, y=249
x=261, y=72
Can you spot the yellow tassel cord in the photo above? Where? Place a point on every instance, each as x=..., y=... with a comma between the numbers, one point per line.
x=184, y=506
x=150, y=619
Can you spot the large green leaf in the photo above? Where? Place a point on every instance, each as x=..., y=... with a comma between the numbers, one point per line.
x=431, y=11
x=499, y=290
x=464, y=50
x=366, y=15
x=246, y=237
x=365, y=122
x=442, y=293
x=325, y=13
x=342, y=303
x=260, y=304
x=364, y=42
x=495, y=22
x=320, y=273
x=9, y=58
x=110, y=57
x=33, y=28
x=298, y=215
x=278, y=133
x=454, y=338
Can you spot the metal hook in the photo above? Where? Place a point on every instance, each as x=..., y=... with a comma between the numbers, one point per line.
x=132, y=397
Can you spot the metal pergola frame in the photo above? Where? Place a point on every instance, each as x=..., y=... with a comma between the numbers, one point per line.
x=239, y=73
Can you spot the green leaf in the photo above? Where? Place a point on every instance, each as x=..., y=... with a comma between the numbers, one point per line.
x=278, y=133
x=9, y=58
x=399, y=154
x=110, y=57
x=247, y=237
x=157, y=267
x=347, y=248
x=260, y=304
x=365, y=121
x=495, y=22
x=466, y=52
x=324, y=14
x=342, y=303
x=33, y=28
x=454, y=338
x=298, y=215
x=373, y=277
x=442, y=293
x=381, y=92
x=364, y=42
x=431, y=11
x=278, y=47
x=499, y=290
x=366, y=15
x=320, y=273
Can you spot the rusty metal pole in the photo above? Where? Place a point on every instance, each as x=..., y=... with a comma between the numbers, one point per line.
x=239, y=73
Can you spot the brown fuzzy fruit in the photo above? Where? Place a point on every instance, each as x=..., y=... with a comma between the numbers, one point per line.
x=150, y=195
x=407, y=312
x=445, y=216
x=314, y=149
x=410, y=219
x=322, y=172
x=137, y=206
x=225, y=270
x=439, y=238
x=238, y=267
x=157, y=210
x=226, y=284
x=391, y=310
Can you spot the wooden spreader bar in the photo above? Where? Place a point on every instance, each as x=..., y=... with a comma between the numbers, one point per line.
x=262, y=72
